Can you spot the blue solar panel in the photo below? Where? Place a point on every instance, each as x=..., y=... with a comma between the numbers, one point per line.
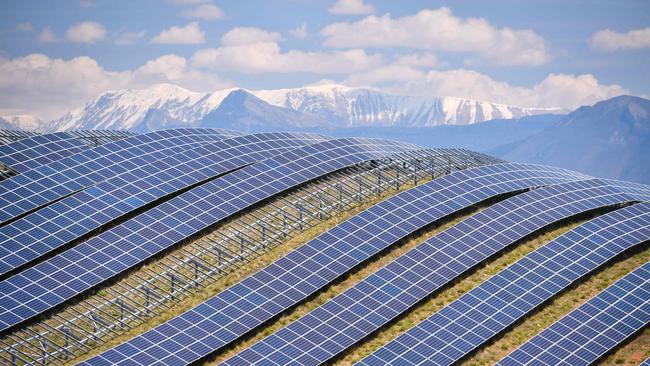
x=593, y=329
x=379, y=298
x=33, y=152
x=465, y=324
x=70, y=273
x=40, y=186
x=291, y=279
x=646, y=362
x=74, y=216
x=9, y=136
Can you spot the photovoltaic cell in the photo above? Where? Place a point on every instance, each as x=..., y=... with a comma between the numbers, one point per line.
x=52, y=282
x=291, y=279
x=593, y=329
x=379, y=298
x=51, y=227
x=488, y=309
x=32, y=152
x=47, y=183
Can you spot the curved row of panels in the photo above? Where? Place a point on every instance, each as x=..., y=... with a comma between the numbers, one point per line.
x=348, y=318
x=159, y=189
x=21, y=152
x=282, y=165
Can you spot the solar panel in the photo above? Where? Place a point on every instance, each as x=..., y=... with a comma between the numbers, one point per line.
x=646, y=362
x=593, y=329
x=68, y=274
x=488, y=309
x=38, y=187
x=32, y=152
x=379, y=298
x=51, y=227
x=291, y=279
x=9, y=136
x=101, y=137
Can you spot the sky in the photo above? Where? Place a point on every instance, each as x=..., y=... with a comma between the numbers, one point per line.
x=57, y=55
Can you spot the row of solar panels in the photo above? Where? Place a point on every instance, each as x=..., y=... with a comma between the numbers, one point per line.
x=454, y=331
x=101, y=197
x=26, y=150
x=240, y=309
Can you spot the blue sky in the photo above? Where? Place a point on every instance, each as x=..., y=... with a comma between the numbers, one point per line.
x=54, y=56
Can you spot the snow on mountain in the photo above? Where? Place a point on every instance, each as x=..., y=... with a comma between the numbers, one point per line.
x=367, y=107
x=23, y=122
x=159, y=106
x=166, y=105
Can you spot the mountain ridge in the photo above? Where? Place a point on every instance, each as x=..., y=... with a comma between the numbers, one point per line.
x=167, y=105
x=609, y=139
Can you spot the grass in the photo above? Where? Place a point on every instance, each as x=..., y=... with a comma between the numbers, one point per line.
x=632, y=353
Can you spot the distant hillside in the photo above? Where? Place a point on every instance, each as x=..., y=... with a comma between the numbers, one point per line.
x=610, y=139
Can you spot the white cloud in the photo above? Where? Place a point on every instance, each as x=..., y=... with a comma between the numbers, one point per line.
x=556, y=90
x=24, y=27
x=300, y=31
x=608, y=40
x=205, y=12
x=351, y=7
x=441, y=30
x=47, y=36
x=247, y=35
x=188, y=2
x=404, y=68
x=176, y=70
x=37, y=84
x=86, y=32
x=123, y=38
x=385, y=74
x=189, y=34
x=267, y=57
x=426, y=59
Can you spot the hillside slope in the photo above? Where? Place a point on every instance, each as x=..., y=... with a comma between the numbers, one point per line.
x=610, y=139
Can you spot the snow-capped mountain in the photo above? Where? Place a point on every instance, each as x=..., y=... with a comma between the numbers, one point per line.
x=23, y=122
x=166, y=105
x=356, y=107
x=160, y=106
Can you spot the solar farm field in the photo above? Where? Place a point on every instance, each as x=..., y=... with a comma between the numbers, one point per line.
x=208, y=246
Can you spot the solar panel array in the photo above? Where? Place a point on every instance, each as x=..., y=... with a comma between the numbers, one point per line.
x=594, y=328
x=465, y=324
x=246, y=305
x=9, y=136
x=50, y=283
x=101, y=137
x=32, y=152
x=379, y=298
x=74, y=216
x=40, y=186
x=179, y=183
